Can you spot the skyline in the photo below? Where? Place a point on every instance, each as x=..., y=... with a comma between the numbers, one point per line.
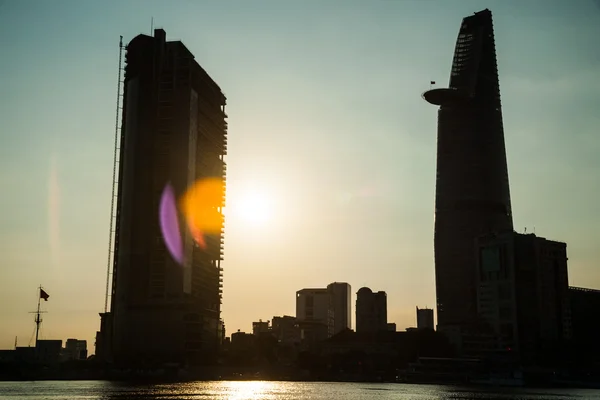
x=52, y=196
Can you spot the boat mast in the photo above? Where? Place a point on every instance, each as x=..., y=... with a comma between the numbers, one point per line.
x=38, y=317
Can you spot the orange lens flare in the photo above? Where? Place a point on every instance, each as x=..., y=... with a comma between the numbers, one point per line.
x=201, y=206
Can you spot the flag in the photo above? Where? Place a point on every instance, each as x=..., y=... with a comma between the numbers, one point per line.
x=432, y=82
x=44, y=295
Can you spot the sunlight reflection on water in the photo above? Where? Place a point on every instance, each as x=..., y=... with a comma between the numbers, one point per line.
x=254, y=390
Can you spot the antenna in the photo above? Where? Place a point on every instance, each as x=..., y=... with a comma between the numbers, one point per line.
x=152, y=26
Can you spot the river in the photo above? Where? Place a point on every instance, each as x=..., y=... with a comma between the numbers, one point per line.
x=256, y=390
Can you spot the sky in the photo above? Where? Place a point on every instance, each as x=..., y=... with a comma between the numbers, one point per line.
x=326, y=125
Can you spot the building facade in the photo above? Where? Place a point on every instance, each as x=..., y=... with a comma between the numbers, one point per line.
x=472, y=188
x=173, y=133
x=341, y=303
x=314, y=311
x=260, y=327
x=371, y=311
x=286, y=330
x=523, y=294
x=425, y=318
x=585, y=325
x=75, y=350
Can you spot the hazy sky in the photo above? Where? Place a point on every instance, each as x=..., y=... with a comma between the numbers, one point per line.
x=326, y=122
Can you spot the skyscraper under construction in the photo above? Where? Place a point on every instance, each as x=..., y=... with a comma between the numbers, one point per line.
x=173, y=131
x=472, y=188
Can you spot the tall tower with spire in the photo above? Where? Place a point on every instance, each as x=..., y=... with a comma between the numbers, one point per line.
x=472, y=188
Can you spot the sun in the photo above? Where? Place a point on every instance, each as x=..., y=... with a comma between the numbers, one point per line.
x=254, y=208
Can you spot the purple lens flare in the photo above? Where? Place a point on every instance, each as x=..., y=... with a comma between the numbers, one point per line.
x=169, y=224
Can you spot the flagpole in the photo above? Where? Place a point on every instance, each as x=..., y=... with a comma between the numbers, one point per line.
x=38, y=320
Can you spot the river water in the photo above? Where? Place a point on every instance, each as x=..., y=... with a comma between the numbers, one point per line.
x=256, y=390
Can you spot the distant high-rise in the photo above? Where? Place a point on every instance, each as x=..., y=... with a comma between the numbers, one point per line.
x=523, y=295
x=173, y=131
x=425, y=318
x=341, y=303
x=313, y=305
x=330, y=307
x=314, y=314
x=371, y=311
x=472, y=189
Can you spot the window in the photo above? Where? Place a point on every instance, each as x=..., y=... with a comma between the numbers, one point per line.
x=505, y=312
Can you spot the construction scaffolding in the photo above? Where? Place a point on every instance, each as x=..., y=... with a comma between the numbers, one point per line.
x=116, y=159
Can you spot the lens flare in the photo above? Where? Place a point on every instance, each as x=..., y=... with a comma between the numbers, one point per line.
x=169, y=224
x=201, y=207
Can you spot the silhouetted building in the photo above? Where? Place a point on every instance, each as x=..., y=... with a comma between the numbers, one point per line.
x=472, y=188
x=314, y=306
x=260, y=327
x=173, y=132
x=371, y=311
x=312, y=332
x=242, y=341
x=25, y=354
x=378, y=351
x=103, y=342
x=222, y=333
x=7, y=356
x=75, y=350
x=585, y=305
x=285, y=329
x=523, y=295
x=425, y=318
x=341, y=303
x=48, y=351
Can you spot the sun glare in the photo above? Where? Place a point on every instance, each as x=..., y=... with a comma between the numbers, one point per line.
x=254, y=208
